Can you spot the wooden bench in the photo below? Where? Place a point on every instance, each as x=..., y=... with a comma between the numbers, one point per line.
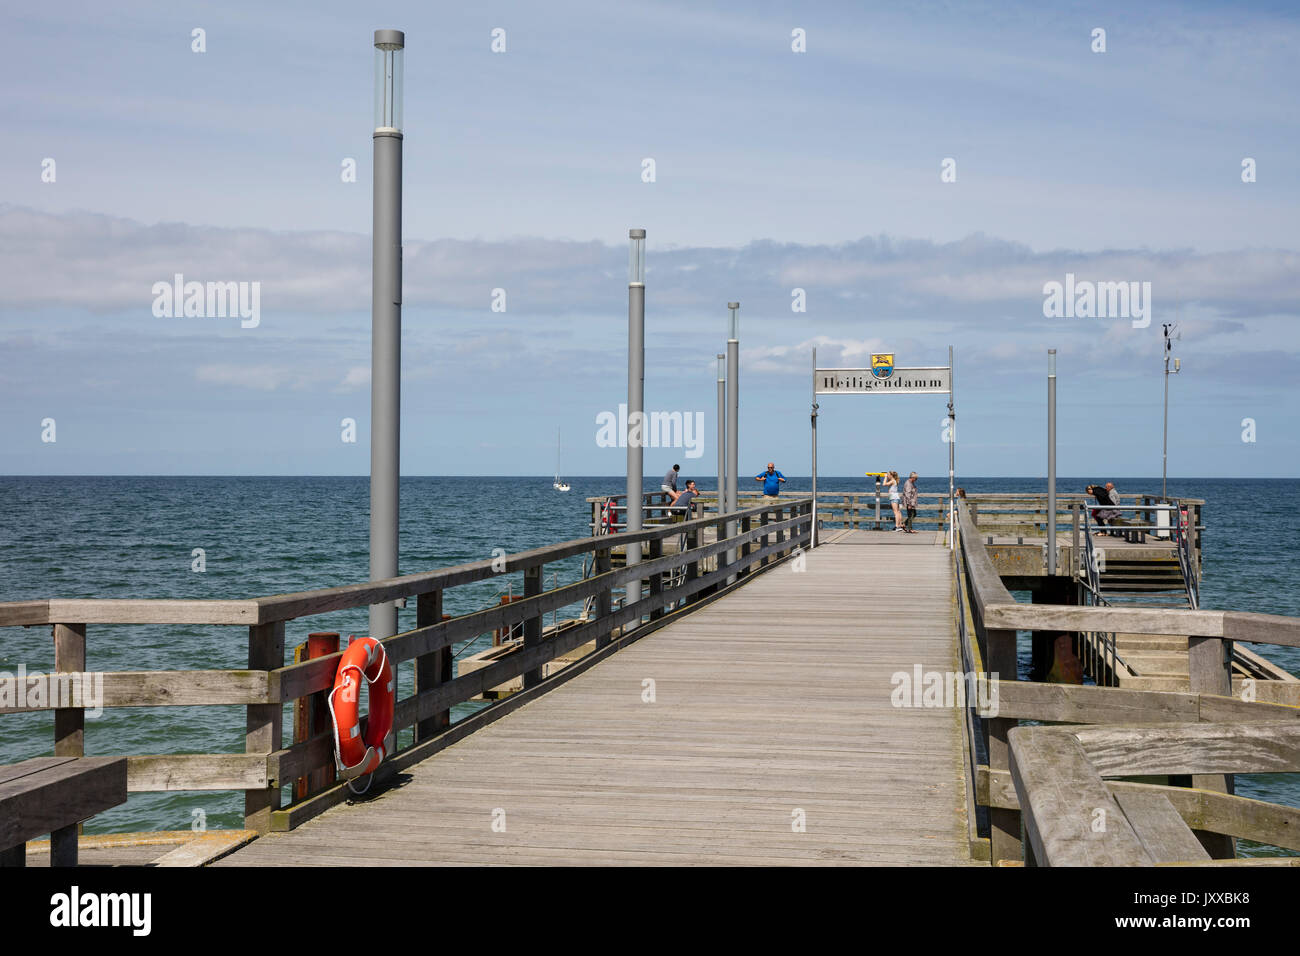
x=52, y=795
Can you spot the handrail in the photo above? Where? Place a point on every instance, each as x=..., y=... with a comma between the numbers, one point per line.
x=999, y=610
x=1004, y=788
x=987, y=583
x=285, y=607
x=1181, y=540
x=267, y=763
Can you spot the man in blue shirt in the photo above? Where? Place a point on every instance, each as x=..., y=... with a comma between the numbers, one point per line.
x=771, y=480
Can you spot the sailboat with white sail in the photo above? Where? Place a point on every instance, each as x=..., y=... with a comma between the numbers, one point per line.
x=559, y=485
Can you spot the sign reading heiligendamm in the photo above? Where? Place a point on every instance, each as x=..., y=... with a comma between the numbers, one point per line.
x=913, y=381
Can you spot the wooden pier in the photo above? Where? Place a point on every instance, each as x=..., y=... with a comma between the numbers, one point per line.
x=769, y=739
x=742, y=700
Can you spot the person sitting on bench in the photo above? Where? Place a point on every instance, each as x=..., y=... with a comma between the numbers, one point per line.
x=682, y=500
x=1105, y=495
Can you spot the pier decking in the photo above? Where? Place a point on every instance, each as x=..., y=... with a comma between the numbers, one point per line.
x=771, y=739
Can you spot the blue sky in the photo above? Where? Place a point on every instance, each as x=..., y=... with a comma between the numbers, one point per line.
x=775, y=170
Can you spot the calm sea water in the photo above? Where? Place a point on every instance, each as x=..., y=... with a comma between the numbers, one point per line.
x=112, y=537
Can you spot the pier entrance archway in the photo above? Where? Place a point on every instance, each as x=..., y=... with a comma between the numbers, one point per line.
x=885, y=378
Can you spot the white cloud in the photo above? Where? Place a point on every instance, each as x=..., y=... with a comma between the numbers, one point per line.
x=356, y=377
x=101, y=263
x=262, y=378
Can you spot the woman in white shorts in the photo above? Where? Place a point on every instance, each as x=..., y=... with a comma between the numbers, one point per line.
x=895, y=499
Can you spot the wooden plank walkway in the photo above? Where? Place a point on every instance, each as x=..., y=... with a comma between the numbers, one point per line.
x=772, y=701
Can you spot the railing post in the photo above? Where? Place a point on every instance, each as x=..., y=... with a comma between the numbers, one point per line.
x=533, y=625
x=69, y=730
x=1004, y=825
x=433, y=668
x=656, y=580
x=850, y=512
x=746, y=547
x=1209, y=671
x=766, y=539
x=1194, y=515
x=263, y=729
x=311, y=714
x=692, y=566
x=604, y=598
x=1074, y=541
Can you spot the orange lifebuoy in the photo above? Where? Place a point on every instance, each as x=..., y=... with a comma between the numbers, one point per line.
x=354, y=753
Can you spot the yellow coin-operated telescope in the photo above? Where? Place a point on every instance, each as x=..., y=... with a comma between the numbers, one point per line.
x=879, y=476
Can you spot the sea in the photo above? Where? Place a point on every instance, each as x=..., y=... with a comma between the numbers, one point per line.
x=243, y=537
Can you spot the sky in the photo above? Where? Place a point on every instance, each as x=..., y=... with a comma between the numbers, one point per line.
x=915, y=176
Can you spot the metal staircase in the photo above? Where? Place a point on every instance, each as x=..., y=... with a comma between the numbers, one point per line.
x=1115, y=578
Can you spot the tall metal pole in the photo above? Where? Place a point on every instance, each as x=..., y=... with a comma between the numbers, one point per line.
x=814, y=449
x=952, y=459
x=1164, y=454
x=1051, y=463
x=635, y=397
x=722, y=433
x=733, y=417
x=386, y=323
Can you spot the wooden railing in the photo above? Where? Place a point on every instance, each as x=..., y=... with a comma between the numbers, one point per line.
x=767, y=534
x=1023, y=516
x=856, y=510
x=1026, y=766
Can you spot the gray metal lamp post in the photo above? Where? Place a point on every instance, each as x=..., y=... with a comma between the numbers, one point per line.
x=635, y=397
x=733, y=417
x=815, y=406
x=722, y=433
x=1051, y=462
x=386, y=323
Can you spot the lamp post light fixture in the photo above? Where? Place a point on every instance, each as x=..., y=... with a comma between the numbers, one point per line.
x=386, y=323
x=389, y=52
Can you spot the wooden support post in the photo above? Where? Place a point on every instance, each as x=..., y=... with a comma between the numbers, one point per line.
x=765, y=540
x=533, y=625
x=1004, y=825
x=1209, y=670
x=746, y=547
x=604, y=600
x=264, y=731
x=780, y=535
x=692, y=566
x=69, y=730
x=656, y=580
x=433, y=668
x=311, y=714
x=851, y=517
